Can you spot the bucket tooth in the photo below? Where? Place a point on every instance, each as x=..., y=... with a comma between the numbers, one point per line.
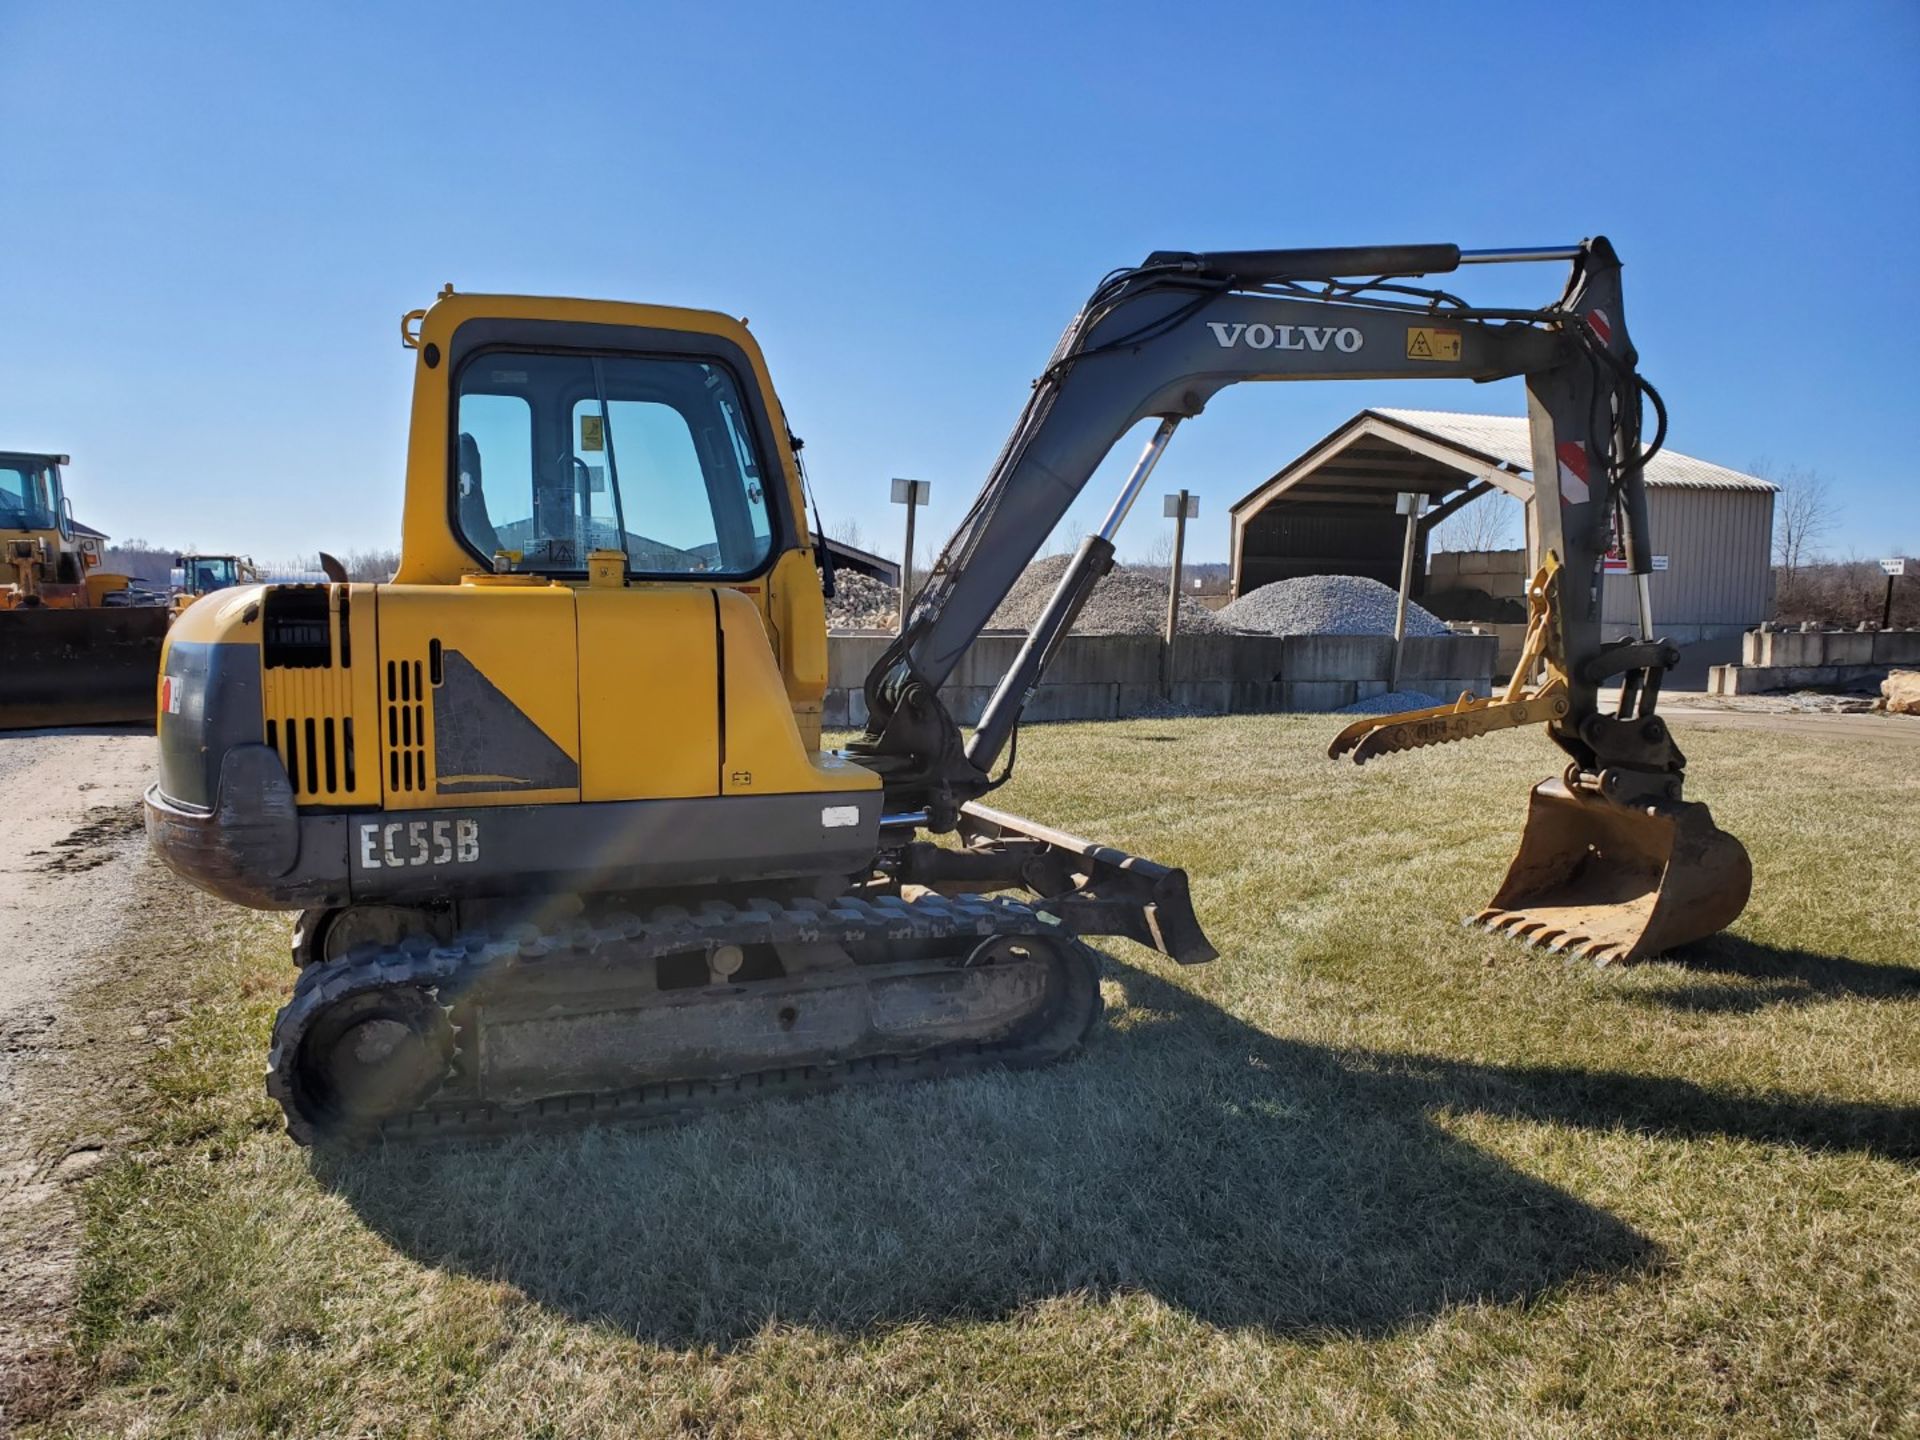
x=1618, y=883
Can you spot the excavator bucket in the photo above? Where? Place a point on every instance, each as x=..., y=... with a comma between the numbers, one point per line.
x=92, y=666
x=1617, y=883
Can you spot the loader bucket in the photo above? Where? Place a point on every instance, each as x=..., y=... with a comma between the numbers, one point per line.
x=1616, y=883
x=79, y=667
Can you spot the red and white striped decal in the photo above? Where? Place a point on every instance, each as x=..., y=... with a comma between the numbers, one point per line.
x=1573, y=473
x=1602, y=326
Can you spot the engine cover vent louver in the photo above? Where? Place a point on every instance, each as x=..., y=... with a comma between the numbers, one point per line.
x=296, y=630
x=406, y=725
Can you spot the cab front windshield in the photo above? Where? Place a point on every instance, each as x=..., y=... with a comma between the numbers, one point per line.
x=563, y=454
x=211, y=573
x=29, y=497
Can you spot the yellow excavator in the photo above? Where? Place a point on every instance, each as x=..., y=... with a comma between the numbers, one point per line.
x=554, y=805
x=74, y=647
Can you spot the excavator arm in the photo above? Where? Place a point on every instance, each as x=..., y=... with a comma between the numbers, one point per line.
x=1158, y=341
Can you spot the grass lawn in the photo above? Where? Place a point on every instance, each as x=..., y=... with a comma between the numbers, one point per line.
x=1371, y=1173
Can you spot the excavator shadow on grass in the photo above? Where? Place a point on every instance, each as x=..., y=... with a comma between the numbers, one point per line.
x=1773, y=977
x=1242, y=1179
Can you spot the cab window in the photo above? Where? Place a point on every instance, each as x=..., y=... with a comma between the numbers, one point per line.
x=562, y=454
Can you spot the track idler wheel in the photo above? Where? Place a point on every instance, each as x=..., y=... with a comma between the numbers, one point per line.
x=1613, y=882
x=371, y=1057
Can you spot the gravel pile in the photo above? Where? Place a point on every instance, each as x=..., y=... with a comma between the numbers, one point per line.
x=1126, y=602
x=861, y=602
x=1391, y=703
x=1325, y=605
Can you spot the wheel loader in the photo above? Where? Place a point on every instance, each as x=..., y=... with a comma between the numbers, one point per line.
x=554, y=807
x=196, y=575
x=74, y=648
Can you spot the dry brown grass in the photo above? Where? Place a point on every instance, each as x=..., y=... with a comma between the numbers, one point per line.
x=1371, y=1173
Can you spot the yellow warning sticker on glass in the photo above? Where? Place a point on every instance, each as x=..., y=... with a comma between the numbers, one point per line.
x=591, y=437
x=1426, y=343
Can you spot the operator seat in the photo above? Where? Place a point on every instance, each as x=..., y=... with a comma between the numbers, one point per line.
x=475, y=524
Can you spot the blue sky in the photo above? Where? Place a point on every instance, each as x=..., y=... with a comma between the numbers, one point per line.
x=218, y=214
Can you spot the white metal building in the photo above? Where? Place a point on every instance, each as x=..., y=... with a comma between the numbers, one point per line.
x=1712, y=527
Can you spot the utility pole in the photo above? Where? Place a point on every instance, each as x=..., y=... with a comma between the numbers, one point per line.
x=1409, y=503
x=912, y=494
x=1181, y=508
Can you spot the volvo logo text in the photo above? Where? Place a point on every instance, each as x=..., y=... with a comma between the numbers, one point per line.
x=1257, y=336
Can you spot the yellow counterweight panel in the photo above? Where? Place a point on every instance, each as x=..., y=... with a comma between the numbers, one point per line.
x=765, y=754
x=649, y=692
x=479, y=699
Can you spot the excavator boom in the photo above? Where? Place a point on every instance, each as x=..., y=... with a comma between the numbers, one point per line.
x=1157, y=342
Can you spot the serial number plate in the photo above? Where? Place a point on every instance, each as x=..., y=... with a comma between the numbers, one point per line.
x=398, y=844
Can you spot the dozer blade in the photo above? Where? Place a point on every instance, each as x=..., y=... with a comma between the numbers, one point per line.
x=1615, y=883
x=79, y=667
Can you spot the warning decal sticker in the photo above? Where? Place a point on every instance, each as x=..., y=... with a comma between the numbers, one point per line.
x=590, y=433
x=1573, y=473
x=1426, y=343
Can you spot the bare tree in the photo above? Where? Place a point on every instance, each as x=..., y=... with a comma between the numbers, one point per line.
x=1156, y=557
x=1483, y=524
x=1803, y=514
x=847, y=532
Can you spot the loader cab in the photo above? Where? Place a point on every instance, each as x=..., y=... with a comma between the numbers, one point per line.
x=203, y=574
x=31, y=498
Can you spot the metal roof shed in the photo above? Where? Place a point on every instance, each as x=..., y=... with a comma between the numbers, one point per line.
x=1331, y=512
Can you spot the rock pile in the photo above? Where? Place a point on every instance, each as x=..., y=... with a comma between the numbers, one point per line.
x=1126, y=602
x=1325, y=605
x=861, y=602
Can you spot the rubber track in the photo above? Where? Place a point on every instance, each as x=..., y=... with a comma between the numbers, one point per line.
x=445, y=970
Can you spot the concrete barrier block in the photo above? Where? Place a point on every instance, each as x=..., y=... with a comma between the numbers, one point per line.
x=1897, y=647
x=1335, y=657
x=987, y=659
x=1251, y=697
x=1096, y=659
x=1848, y=647
x=1474, y=562
x=1756, y=648
x=850, y=657
x=1072, y=702
x=1208, y=697
x=1317, y=695
x=1439, y=656
x=1228, y=657
x=1507, y=562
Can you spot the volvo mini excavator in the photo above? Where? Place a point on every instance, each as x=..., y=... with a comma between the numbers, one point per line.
x=73, y=651
x=554, y=806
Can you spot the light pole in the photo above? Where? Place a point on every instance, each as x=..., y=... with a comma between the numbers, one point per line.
x=1180, y=509
x=1410, y=503
x=912, y=494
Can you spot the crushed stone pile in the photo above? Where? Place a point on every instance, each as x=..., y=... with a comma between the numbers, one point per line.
x=1126, y=602
x=861, y=602
x=1325, y=605
x=1391, y=703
